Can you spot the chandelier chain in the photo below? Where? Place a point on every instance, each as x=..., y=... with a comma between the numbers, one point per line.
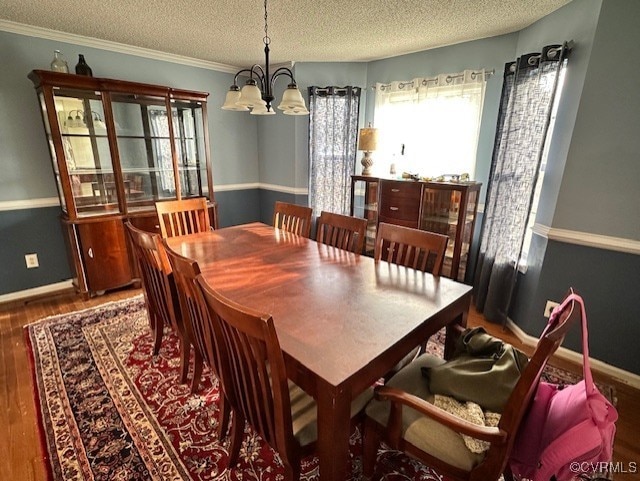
x=266, y=38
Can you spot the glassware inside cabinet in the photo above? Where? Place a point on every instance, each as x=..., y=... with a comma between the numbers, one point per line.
x=86, y=151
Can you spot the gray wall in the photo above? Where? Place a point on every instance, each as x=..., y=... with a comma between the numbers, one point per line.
x=592, y=186
x=26, y=172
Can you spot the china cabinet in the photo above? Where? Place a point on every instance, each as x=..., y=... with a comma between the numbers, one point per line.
x=448, y=208
x=117, y=148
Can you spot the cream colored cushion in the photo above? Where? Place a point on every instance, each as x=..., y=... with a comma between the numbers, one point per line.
x=419, y=430
x=304, y=412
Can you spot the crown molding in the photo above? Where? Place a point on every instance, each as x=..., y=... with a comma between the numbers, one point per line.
x=40, y=32
x=618, y=244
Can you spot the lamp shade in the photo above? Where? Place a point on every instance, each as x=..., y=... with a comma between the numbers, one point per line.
x=291, y=98
x=368, y=139
x=296, y=111
x=261, y=109
x=231, y=101
x=250, y=95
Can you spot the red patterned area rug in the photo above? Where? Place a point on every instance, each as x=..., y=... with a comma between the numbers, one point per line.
x=109, y=410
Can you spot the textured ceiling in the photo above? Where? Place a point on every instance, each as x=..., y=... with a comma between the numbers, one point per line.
x=231, y=32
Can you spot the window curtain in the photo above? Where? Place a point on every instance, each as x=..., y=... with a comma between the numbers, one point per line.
x=159, y=124
x=528, y=91
x=333, y=131
x=430, y=126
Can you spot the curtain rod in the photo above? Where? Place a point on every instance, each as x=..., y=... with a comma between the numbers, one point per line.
x=487, y=73
x=335, y=89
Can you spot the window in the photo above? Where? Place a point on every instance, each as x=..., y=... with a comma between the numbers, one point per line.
x=430, y=126
x=333, y=130
x=528, y=235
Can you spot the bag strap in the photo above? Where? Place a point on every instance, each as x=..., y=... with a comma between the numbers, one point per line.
x=586, y=363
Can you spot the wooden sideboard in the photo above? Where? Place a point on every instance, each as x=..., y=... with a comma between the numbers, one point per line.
x=445, y=207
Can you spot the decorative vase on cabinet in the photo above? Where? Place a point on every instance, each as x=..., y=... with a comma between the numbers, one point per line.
x=113, y=156
x=59, y=64
x=82, y=68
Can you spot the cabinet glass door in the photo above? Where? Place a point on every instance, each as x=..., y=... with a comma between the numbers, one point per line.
x=86, y=152
x=144, y=147
x=365, y=205
x=52, y=151
x=188, y=130
x=440, y=209
x=466, y=234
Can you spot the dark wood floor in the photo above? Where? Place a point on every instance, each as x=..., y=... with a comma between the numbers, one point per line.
x=20, y=449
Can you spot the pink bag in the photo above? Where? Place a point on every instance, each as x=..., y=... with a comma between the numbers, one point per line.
x=567, y=431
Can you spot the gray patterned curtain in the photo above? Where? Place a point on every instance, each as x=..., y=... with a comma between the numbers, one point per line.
x=333, y=131
x=528, y=92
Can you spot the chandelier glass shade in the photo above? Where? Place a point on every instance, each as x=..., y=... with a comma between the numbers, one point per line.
x=78, y=119
x=257, y=94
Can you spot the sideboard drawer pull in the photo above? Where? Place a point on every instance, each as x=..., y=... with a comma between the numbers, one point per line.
x=90, y=252
x=395, y=190
x=394, y=208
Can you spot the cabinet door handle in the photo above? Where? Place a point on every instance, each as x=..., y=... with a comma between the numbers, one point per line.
x=90, y=252
x=394, y=208
x=395, y=190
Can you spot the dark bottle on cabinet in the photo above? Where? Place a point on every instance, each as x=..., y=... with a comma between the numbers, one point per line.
x=82, y=68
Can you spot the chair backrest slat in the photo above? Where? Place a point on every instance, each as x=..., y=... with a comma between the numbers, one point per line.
x=182, y=217
x=341, y=231
x=292, y=218
x=418, y=249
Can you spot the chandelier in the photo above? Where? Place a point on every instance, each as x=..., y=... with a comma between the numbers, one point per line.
x=257, y=93
x=80, y=119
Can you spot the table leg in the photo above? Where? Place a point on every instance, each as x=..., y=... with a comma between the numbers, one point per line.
x=334, y=407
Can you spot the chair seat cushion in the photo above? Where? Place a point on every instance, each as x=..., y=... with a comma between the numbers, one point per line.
x=304, y=412
x=421, y=431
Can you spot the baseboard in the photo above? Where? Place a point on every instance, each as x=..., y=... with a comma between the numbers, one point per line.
x=625, y=377
x=36, y=291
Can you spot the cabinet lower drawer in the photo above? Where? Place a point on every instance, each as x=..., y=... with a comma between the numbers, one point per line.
x=406, y=223
x=400, y=200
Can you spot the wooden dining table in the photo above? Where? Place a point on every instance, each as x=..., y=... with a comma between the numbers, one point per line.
x=343, y=320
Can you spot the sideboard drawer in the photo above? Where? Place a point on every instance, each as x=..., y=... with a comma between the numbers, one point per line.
x=400, y=200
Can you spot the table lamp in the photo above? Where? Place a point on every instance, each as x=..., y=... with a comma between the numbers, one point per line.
x=367, y=142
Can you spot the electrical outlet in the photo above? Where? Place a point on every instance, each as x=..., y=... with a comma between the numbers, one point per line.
x=549, y=307
x=31, y=260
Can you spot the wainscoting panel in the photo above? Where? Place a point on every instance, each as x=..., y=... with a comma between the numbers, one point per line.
x=26, y=231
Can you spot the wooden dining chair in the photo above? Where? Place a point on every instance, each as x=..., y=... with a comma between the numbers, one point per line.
x=292, y=218
x=197, y=326
x=404, y=417
x=342, y=231
x=158, y=286
x=418, y=249
x=182, y=217
x=255, y=381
